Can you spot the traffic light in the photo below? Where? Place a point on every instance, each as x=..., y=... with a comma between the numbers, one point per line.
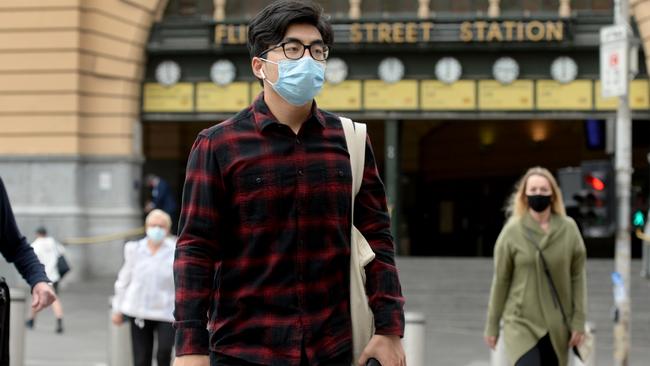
x=597, y=199
x=638, y=219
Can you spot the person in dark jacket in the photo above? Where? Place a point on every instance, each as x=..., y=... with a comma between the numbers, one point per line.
x=15, y=249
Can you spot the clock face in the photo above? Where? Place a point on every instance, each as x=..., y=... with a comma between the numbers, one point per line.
x=391, y=70
x=168, y=73
x=336, y=71
x=448, y=70
x=505, y=70
x=222, y=72
x=564, y=69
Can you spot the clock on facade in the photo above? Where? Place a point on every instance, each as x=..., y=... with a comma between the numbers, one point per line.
x=391, y=70
x=222, y=72
x=564, y=69
x=505, y=70
x=168, y=73
x=448, y=70
x=336, y=70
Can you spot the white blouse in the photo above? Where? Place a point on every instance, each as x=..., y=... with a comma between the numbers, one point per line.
x=47, y=250
x=145, y=285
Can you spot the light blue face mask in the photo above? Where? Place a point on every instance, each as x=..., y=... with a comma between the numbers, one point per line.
x=156, y=234
x=299, y=81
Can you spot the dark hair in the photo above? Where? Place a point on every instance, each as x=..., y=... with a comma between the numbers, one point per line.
x=269, y=26
x=41, y=231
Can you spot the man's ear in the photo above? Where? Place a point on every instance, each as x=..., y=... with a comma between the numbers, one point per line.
x=256, y=65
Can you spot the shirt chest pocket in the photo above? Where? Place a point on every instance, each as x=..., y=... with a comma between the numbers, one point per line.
x=329, y=192
x=257, y=196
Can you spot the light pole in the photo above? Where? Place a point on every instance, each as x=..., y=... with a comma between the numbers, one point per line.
x=623, y=167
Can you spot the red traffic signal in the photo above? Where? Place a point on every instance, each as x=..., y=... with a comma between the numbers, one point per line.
x=594, y=182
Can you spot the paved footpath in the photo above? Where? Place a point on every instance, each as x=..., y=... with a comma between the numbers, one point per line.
x=452, y=294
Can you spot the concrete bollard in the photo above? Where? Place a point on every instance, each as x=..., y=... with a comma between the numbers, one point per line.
x=17, y=308
x=120, y=352
x=414, y=338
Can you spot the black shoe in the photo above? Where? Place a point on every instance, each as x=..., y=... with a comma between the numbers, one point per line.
x=59, y=326
x=29, y=324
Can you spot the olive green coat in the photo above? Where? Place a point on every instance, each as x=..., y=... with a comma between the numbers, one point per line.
x=521, y=295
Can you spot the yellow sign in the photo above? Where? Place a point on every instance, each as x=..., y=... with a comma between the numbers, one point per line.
x=345, y=96
x=176, y=98
x=378, y=95
x=552, y=95
x=398, y=32
x=436, y=95
x=492, y=95
x=639, y=98
x=509, y=31
x=229, y=98
x=256, y=89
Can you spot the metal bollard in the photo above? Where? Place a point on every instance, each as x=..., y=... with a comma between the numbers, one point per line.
x=119, y=341
x=414, y=338
x=17, y=309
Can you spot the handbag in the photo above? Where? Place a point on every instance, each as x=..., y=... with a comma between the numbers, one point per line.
x=62, y=265
x=363, y=324
x=583, y=350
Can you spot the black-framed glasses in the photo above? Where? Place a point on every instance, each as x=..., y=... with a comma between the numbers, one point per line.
x=294, y=50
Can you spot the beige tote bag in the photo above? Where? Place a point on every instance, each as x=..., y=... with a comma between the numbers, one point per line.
x=363, y=323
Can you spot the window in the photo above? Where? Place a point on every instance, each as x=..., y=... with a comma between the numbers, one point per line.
x=458, y=6
x=190, y=8
x=244, y=10
x=386, y=8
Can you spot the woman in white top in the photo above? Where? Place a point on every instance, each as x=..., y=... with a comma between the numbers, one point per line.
x=48, y=250
x=144, y=291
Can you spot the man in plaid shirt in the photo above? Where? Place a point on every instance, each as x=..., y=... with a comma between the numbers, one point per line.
x=262, y=261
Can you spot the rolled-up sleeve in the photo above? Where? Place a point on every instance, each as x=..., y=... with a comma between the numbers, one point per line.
x=382, y=281
x=197, y=249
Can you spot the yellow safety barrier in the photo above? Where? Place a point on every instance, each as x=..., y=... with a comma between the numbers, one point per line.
x=104, y=238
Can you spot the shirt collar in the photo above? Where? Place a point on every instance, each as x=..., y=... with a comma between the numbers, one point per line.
x=263, y=117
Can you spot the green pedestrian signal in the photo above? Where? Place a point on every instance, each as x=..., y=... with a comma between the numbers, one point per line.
x=638, y=220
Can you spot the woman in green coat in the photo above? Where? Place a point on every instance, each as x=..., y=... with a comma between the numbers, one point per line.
x=521, y=298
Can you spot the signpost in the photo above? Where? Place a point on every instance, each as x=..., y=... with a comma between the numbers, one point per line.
x=614, y=75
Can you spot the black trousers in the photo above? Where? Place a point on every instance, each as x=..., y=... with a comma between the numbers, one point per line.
x=143, y=338
x=5, y=301
x=542, y=354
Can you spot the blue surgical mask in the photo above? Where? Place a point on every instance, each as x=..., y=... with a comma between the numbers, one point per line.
x=298, y=80
x=156, y=234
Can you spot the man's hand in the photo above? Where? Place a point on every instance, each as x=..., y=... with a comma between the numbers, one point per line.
x=42, y=296
x=491, y=341
x=386, y=349
x=192, y=360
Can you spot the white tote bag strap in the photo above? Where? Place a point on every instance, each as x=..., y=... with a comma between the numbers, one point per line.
x=355, y=137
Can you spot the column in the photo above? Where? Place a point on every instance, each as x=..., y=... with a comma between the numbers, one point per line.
x=392, y=175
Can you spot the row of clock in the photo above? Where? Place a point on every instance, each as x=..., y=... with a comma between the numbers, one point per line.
x=391, y=70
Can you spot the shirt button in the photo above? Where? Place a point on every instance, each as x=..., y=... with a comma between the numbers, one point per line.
x=300, y=278
x=300, y=172
x=298, y=141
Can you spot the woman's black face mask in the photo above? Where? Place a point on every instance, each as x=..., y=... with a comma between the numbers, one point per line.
x=539, y=202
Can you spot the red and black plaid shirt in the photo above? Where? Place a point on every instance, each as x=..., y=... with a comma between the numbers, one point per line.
x=265, y=242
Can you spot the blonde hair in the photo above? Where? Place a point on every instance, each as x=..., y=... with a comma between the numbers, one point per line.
x=159, y=213
x=518, y=202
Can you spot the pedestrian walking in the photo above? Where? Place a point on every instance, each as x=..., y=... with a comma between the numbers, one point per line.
x=161, y=194
x=262, y=264
x=48, y=251
x=538, y=236
x=15, y=249
x=144, y=291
